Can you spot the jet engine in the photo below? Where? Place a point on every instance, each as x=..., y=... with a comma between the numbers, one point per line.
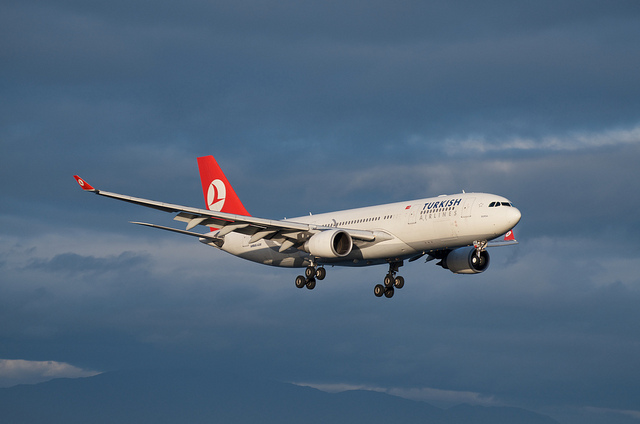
x=329, y=244
x=465, y=260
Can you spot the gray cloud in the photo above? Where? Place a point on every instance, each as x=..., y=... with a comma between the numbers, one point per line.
x=74, y=263
x=520, y=333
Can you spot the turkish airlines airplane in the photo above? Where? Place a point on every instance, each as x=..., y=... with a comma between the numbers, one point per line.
x=454, y=229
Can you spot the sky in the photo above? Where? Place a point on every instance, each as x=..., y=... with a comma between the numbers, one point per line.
x=313, y=107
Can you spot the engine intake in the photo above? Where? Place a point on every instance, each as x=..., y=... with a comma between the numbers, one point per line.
x=329, y=244
x=465, y=261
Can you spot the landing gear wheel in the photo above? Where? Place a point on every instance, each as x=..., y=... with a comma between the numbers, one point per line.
x=378, y=290
x=321, y=273
x=310, y=272
x=300, y=281
x=478, y=262
x=399, y=283
x=311, y=283
x=388, y=293
x=388, y=280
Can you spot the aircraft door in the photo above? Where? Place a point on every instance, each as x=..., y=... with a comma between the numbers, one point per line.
x=414, y=210
x=466, y=207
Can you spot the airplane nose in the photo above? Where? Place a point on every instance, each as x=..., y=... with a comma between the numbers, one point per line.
x=514, y=216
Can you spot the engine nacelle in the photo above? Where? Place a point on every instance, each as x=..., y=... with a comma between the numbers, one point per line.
x=329, y=244
x=465, y=261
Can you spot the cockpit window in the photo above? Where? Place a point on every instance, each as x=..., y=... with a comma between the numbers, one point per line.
x=496, y=204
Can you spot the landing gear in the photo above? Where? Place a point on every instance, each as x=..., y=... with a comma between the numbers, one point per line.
x=379, y=290
x=309, y=272
x=300, y=281
x=399, y=282
x=479, y=261
x=390, y=282
x=308, y=280
x=311, y=283
x=480, y=247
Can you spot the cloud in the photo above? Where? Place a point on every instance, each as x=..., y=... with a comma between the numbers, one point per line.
x=75, y=263
x=630, y=413
x=175, y=301
x=438, y=397
x=571, y=142
x=20, y=371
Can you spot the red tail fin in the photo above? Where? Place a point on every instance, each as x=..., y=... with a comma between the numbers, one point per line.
x=509, y=236
x=218, y=193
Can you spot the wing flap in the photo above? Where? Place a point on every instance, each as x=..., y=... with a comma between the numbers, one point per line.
x=260, y=235
x=231, y=227
x=195, y=221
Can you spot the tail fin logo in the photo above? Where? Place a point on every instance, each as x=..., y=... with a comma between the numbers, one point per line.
x=216, y=195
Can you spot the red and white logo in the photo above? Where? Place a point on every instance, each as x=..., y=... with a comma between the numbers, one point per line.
x=216, y=195
x=85, y=185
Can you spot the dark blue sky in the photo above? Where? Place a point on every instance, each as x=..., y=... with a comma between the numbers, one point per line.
x=311, y=108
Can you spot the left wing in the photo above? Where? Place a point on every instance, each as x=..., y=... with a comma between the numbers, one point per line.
x=287, y=233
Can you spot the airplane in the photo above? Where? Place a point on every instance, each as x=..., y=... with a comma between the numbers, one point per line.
x=454, y=229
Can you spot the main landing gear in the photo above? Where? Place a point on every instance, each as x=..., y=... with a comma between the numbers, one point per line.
x=308, y=280
x=390, y=281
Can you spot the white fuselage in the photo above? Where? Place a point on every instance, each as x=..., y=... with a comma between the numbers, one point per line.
x=407, y=229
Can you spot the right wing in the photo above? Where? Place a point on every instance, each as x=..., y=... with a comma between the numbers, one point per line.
x=509, y=239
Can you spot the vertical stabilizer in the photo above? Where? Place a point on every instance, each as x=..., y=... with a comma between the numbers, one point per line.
x=218, y=194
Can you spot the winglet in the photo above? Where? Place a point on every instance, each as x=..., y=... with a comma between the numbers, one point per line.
x=508, y=240
x=85, y=185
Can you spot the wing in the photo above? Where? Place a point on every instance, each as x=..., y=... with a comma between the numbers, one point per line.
x=508, y=240
x=287, y=233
